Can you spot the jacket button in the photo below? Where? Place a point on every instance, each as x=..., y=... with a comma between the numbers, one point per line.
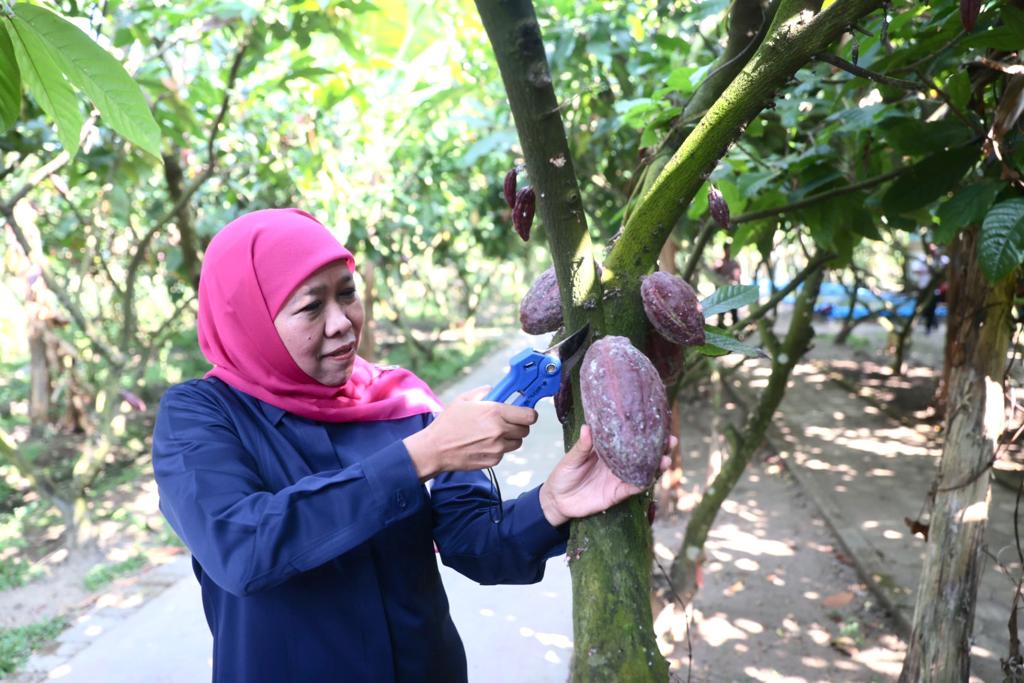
x=400, y=499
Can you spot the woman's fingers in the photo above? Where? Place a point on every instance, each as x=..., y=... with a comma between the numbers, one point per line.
x=517, y=415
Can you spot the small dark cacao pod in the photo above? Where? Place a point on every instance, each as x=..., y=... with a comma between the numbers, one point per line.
x=541, y=309
x=969, y=11
x=717, y=205
x=522, y=212
x=509, y=188
x=563, y=400
x=673, y=308
x=667, y=357
x=625, y=405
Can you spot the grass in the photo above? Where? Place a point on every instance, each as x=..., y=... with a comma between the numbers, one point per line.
x=16, y=572
x=102, y=574
x=17, y=644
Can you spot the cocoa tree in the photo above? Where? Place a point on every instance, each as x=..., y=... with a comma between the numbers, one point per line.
x=611, y=555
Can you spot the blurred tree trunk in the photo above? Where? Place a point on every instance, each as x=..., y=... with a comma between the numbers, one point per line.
x=368, y=342
x=939, y=647
x=742, y=445
x=39, y=391
x=849, y=321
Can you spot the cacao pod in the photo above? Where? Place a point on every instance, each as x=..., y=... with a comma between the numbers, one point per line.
x=625, y=405
x=719, y=208
x=541, y=309
x=969, y=11
x=673, y=308
x=509, y=188
x=667, y=357
x=522, y=212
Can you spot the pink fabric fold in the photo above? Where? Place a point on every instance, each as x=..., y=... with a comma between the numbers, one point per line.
x=249, y=270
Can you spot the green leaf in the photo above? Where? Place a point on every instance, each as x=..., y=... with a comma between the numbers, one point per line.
x=967, y=207
x=717, y=343
x=752, y=232
x=1001, y=243
x=729, y=297
x=958, y=87
x=913, y=136
x=1013, y=19
x=101, y=77
x=998, y=38
x=10, y=81
x=46, y=83
x=929, y=179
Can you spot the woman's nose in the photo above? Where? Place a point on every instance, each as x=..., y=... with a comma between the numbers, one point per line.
x=337, y=322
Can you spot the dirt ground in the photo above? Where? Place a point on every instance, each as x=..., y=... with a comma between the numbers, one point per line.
x=780, y=601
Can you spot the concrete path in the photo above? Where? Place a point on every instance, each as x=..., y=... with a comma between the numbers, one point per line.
x=868, y=473
x=152, y=629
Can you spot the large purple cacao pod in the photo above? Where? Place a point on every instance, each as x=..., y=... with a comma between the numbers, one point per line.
x=625, y=405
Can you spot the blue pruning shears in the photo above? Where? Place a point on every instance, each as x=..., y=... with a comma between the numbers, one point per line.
x=531, y=376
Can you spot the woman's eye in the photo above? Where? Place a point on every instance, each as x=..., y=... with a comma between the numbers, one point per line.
x=310, y=307
x=347, y=293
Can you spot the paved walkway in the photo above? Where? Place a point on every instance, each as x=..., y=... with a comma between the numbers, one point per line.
x=152, y=629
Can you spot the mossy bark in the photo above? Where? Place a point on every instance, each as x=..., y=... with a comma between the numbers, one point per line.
x=939, y=647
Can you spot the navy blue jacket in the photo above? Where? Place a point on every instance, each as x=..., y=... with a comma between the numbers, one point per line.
x=314, y=542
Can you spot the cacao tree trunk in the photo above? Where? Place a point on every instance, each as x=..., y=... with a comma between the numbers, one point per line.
x=742, y=445
x=610, y=554
x=924, y=298
x=849, y=322
x=939, y=647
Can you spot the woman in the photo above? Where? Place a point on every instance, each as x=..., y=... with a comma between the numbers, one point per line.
x=294, y=471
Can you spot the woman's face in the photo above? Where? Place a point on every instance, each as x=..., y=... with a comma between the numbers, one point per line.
x=320, y=324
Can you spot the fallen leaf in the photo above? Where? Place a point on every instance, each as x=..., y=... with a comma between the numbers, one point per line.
x=840, y=599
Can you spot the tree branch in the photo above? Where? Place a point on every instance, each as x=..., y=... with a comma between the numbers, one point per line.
x=815, y=198
x=795, y=37
x=110, y=355
x=128, y=331
x=852, y=68
x=759, y=312
x=519, y=51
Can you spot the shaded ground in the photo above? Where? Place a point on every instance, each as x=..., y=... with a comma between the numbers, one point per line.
x=811, y=568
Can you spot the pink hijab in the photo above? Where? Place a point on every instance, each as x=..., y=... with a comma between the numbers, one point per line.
x=250, y=268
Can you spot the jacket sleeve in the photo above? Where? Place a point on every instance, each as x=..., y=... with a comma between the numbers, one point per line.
x=512, y=551
x=248, y=538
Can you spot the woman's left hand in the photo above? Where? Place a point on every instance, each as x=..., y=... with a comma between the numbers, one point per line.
x=582, y=485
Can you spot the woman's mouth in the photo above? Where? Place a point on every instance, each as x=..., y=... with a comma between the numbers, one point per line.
x=343, y=352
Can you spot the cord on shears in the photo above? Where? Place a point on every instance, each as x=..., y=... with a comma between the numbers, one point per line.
x=497, y=510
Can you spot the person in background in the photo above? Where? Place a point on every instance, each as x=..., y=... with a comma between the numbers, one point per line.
x=295, y=473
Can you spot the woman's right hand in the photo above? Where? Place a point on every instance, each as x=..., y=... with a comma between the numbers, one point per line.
x=470, y=434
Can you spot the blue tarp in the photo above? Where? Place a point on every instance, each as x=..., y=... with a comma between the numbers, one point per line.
x=834, y=301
